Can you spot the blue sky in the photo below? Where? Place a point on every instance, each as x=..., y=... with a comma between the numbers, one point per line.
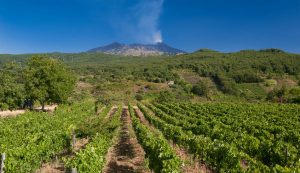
x=35, y=26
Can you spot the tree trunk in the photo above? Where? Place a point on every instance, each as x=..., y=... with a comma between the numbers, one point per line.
x=43, y=107
x=31, y=103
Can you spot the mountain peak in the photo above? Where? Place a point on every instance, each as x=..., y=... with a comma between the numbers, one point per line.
x=115, y=43
x=159, y=48
x=160, y=42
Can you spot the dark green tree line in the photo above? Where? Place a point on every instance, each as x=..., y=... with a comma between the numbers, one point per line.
x=43, y=79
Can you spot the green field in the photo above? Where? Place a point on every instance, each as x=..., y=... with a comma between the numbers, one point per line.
x=226, y=137
x=201, y=112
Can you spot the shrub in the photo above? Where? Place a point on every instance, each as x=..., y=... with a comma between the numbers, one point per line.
x=165, y=96
x=277, y=94
x=139, y=97
x=247, y=78
x=200, y=89
x=272, y=50
x=270, y=82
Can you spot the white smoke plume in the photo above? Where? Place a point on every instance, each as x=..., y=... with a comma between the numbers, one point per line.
x=149, y=12
x=157, y=38
x=141, y=22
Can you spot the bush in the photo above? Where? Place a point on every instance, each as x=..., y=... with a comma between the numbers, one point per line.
x=103, y=101
x=272, y=50
x=165, y=96
x=200, y=89
x=4, y=106
x=294, y=95
x=270, y=82
x=247, y=78
x=294, y=100
x=277, y=94
x=157, y=80
x=139, y=97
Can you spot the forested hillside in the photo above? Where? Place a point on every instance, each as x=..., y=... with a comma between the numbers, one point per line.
x=248, y=75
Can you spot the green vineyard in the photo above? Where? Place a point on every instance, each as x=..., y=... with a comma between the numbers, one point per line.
x=244, y=137
x=220, y=137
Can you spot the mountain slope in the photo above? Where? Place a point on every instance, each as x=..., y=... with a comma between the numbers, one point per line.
x=137, y=49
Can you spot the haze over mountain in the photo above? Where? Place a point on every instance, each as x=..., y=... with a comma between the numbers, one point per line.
x=138, y=49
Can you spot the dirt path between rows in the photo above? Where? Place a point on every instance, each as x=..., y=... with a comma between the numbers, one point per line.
x=190, y=165
x=127, y=155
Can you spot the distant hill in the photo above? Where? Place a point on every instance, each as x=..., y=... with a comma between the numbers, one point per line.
x=137, y=49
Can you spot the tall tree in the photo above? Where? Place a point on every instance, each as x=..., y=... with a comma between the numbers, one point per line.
x=11, y=87
x=48, y=80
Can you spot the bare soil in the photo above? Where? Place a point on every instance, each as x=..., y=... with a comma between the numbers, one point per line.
x=4, y=114
x=48, y=108
x=83, y=85
x=190, y=164
x=127, y=155
x=51, y=168
x=286, y=82
x=80, y=144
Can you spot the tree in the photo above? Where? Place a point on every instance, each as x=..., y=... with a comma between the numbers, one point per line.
x=104, y=101
x=272, y=50
x=281, y=93
x=247, y=77
x=201, y=89
x=165, y=96
x=48, y=80
x=11, y=87
x=294, y=95
x=277, y=93
x=139, y=97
